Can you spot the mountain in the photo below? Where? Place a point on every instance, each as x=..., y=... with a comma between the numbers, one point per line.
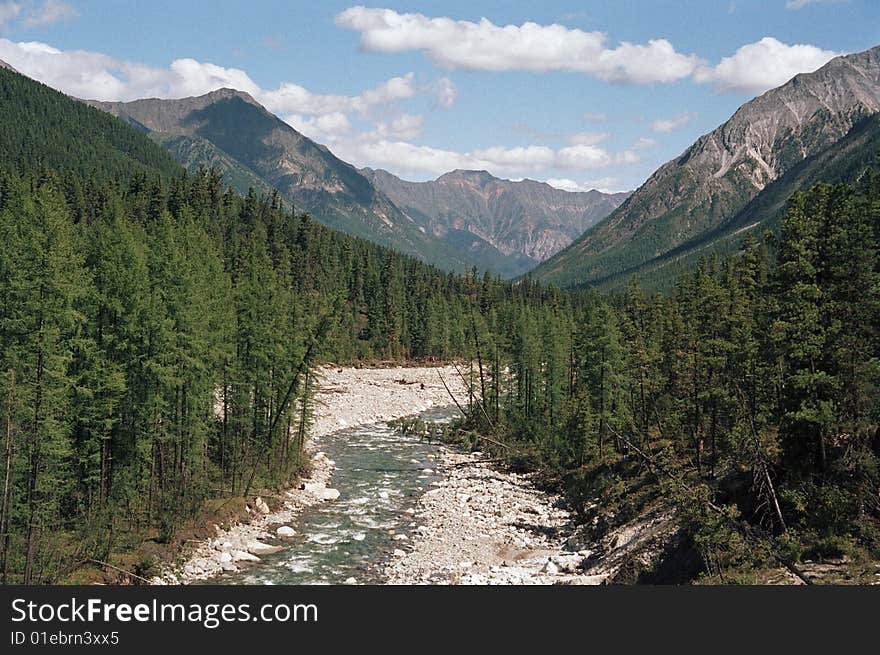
x=701, y=195
x=3, y=64
x=40, y=127
x=517, y=224
x=230, y=130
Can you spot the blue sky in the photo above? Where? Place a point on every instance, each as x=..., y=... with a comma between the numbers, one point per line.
x=584, y=94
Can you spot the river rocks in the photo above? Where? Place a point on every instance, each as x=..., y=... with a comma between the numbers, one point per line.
x=285, y=532
x=330, y=494
x=399, y=553
x=261, y=505
x=550, y=567
x=243, y=556
x=259, y=548
x=320, y=491
x=482, y=526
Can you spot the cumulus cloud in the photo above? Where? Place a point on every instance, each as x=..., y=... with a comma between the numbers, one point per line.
x=528, y=47
x=410, y=159
x=325, y=129
x=667, y=125
x=644, y=143
x=587, y=138
x=763, y=65
x=405, y=126
x=294, y=98
x=93, y=75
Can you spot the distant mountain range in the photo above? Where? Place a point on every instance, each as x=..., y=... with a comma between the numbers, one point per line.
x=736, y=179
x=461, y=220
x=524, y=221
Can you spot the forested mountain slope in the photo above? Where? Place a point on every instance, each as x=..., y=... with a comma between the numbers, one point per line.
x=724, y=170
x=42, y=127
x=521, y=223
x=846, y=161
x=251, y=147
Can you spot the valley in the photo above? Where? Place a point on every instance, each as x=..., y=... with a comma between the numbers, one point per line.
x=228, y=355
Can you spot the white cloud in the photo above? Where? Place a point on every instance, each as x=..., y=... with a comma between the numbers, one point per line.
x=644, y=143
x=527, y=47
x=93, y=75
x=405, y=126
x=583, y=157
x=294, y=98
x=445, y=92
x=405, y=158
x=667, y=125
x=604, y=184
x=587, y=138
x=800, y=4
x=52, y=11
x=325, y=129
x=763, y=65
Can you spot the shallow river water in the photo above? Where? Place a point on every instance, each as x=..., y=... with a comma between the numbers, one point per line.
x=379, y=474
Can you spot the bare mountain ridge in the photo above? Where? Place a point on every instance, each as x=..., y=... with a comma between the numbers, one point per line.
x=724, y=170
x=254, y=148
x=505, y=231
x=523, y=217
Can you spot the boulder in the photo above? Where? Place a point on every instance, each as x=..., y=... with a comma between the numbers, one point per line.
x=550, y=568
x=261, y=505
x=285, y=532
x=259, y=548
x=225, y=557
x=243, y=556
x=330, y=494
x=320, y=491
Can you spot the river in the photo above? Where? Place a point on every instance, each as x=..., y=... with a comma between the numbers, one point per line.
x=380, y=474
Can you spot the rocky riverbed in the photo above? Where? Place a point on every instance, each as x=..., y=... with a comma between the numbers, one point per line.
x=345, y=397
x=475, y=524
x=484, y=526
x=479, y=525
